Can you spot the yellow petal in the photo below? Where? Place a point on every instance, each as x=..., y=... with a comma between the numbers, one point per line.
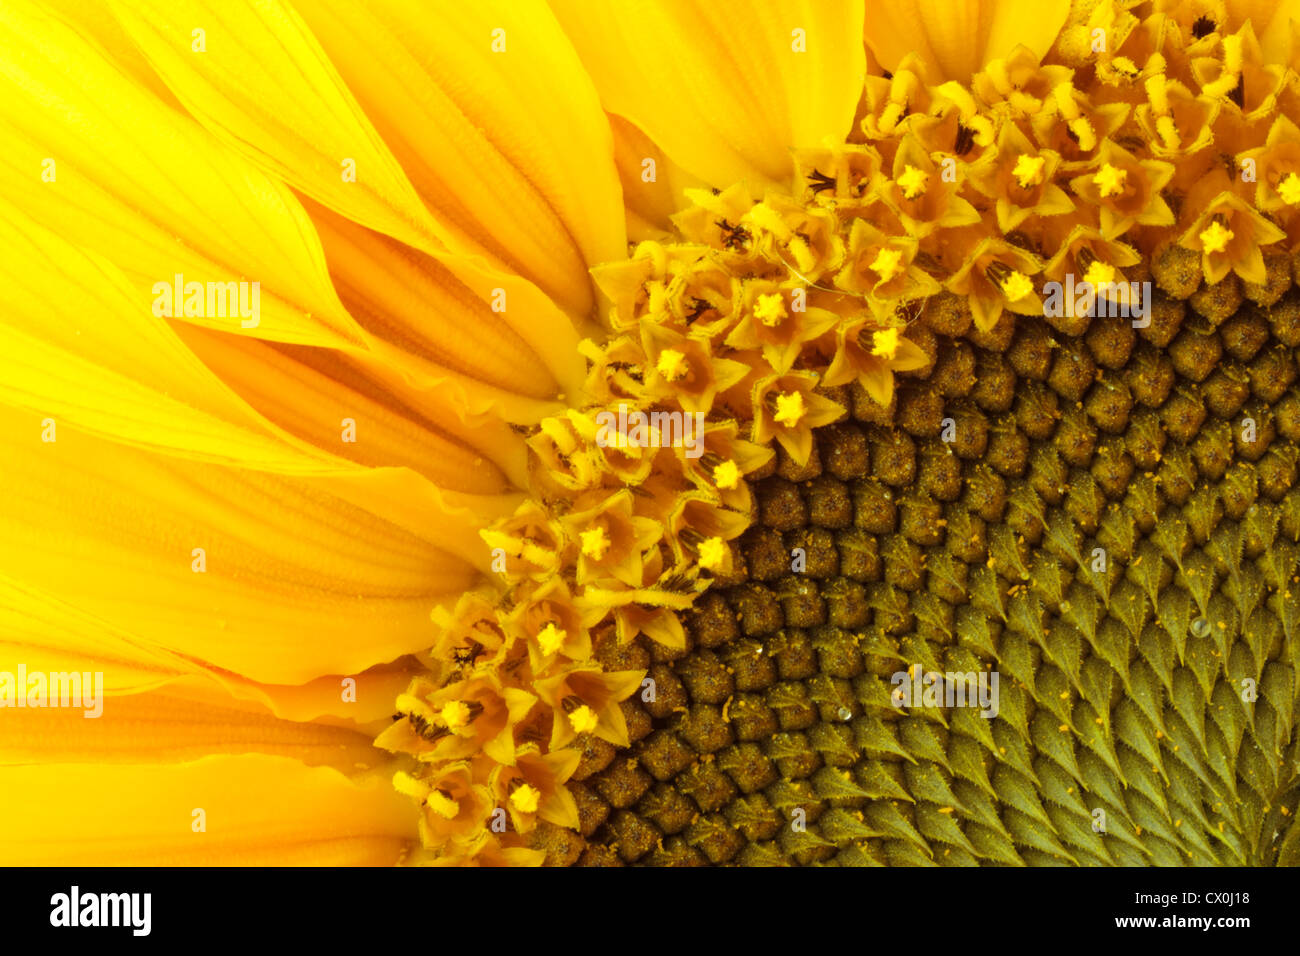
x=956, y=38
x=148, y=189
x=497, y=124
x=46, y=634
x=262, y=83
x=1275, y=21
x=257, y=810
x=451, y=520
x=362, y=701
x=654, y=187
x=324, y=399
x=80, y=346
x=170, y=726
x=449, y=317
x=96, y=23
x=298, y=581
x=510, y=153
x=721, y=86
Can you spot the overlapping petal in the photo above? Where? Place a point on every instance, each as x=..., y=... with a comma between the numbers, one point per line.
x=956, y=40
x=493, y=340
x=169, y=725
x=257, y=810
x=296, y=580
x=130, y=178
x=44, y=633
x=254, y=74
x=727, y=88
x=524, y=171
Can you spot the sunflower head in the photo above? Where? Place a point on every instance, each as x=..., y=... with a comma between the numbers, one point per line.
x=885, y=453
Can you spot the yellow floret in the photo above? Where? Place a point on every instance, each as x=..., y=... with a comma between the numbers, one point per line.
x=913, y=181
x=1110, y=180
x=713, y=554
x=584, y=720
x=443, y=805
x=455, y=714
x=770, y=309
x=595, y=543
x=404, y=783
x=1084, y=133
x=1100, y=274
x=885, y=343
x=1017, y=286
x=672, y=364
x=789, y=409
x=1215, y=238
x=551, y=638
x=526, y=798
x=887, y=264
x=1289, y=189
x=726, y=475
x=1029, y=170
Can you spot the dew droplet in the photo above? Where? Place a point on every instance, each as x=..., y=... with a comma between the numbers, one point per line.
x=1201, y=627
x=845, y=713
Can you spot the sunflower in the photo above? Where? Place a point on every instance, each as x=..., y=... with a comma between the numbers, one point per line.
x=560, y=432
